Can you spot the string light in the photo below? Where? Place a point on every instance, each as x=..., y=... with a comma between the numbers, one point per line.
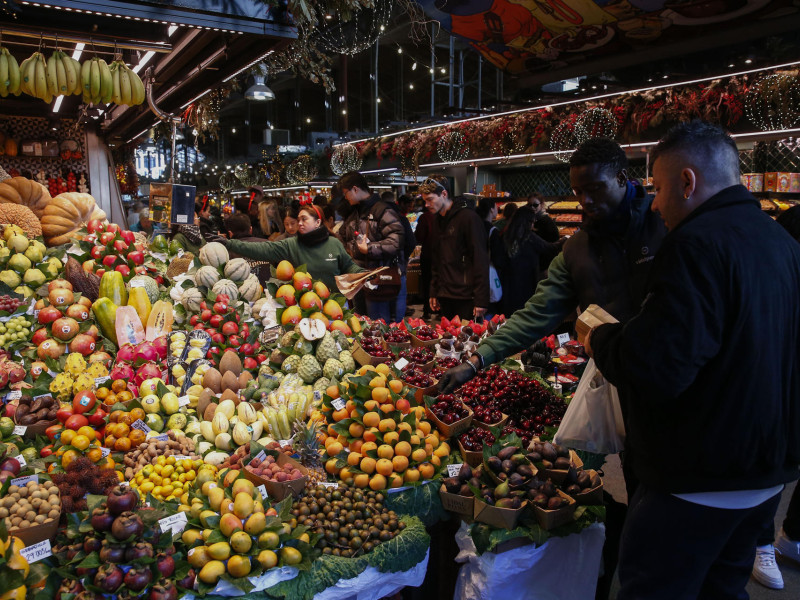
x=565, y=139
x=773, y=102
x=511, y=142
x=301, y=170
x=345, y=158
x=596, y=122
x=246, y=176
x=409, y=164
x=355, y=32
x=452, y=147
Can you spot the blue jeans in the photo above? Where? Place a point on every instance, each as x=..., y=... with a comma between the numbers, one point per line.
x=382, y=310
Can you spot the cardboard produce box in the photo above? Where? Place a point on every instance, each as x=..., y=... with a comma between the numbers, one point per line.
x=592, y=317
x=591, y=496
x=38, y=533
x=559, y=475
x=420, y=393
x=472, y=458
x=462, y=505
x=550, y=519
x=503, y=518
x=280, y=490
x=415, y=341
x=500, y=424
x=363, y=358
x=450, y=430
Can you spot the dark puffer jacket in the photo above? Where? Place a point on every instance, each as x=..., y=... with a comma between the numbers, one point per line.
x=385, y=234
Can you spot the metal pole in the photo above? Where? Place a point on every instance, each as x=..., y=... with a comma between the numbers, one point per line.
x=461, y=85
x=375, y=96
x=450, y=94
x=433, y=68
x=480, y=79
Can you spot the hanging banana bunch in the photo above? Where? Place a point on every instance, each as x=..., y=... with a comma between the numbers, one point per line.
x=34, y=77
x=63, y=74
x=127, y=86
x=10, y=76
x=96, y=81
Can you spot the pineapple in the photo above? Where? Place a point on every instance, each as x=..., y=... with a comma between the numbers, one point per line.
x=97, y=369
x=61, y=386
x=306, y=443
x=75, y=364
x=83, y=382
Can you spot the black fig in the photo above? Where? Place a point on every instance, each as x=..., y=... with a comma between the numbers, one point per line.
x=506, y=453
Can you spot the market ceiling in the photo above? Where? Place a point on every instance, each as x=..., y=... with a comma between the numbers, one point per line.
x=541, y=41
x=192, y=46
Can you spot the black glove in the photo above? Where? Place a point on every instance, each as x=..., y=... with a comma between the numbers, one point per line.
x=455, y=377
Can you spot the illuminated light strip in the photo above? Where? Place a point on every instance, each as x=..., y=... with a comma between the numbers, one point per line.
x=57, y=105
x=195, y=98
x=145, y=59
x=248, y=66
x=575, y=101
x=78, y=50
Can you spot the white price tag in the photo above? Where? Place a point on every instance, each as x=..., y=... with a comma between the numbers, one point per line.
x=104, y=452
x=101, y=380
x=562, y=338
x=452, y=470
x=176, y=523
x=182, y=218
x=6, y=318
x=338, y=404
x=141, y=426
x=400, y=364
x=160, y=256
x=261, y=456
x=20, y=429
x=21, y=460
x=37, y=551
x=317, y=395
x=183, y=401
x=263, y=491
x=161, y=438
x=285, y=443
x=183, y=457
x=15, y=395
x=329, y=484
x=137, y=283
x=23, y=481
x=31, y=308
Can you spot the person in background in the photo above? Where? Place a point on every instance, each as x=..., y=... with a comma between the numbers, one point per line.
x=460, y=268
x=388, y=197
x=330, y=218
x=419, y=205
x=313, y=246
x=189, y=237
x=289, y=223
x=509, y=208
x=269, y=218
x=765, y=568
x=248, y=204
x=374, y=236
x=406, y=204
x=132, y=215
x=238, y=227
x=519, y=258
x=216, y=218
x=487, y=211
x=726, y=279
x=207, y=227
x=144, y=224
x=320, y=200
x=544, y=225
x=427, y=233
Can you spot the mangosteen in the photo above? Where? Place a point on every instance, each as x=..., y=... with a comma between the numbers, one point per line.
x=109, y=578
x=101, y=519
x=127, y=524
x=164, y=590
x=187, y=582
x=122, y=499
x=92, y=544
x=138, y=550
x=137, y=579
x=165, y=564
x=112, y=553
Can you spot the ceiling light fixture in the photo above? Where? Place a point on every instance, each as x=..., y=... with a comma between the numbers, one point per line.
x=258, y=91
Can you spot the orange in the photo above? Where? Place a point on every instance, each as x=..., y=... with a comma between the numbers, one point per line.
x=403, y=426
x=119, y=430
x=377, y=482
x=126, y=418
x=110, y=400
x=125, y=396
x=81, y=442
x=102, y=393
x=426, y=470
x=118, y=385
x=95, y=454
x=396, y=386
x=425, y=427
x=137, y=436
x=338, y=415
x=355, y=446
x=123, y=444
x=334, y=448
x=330, y=466
x=419, y=411
x=432, y=440
x=368, y=446
x=332, y=391
x=383, y=369
x=395, y=480
x=402, y=449
x=88, y=432
x=387, y=408
x=350, y=406
x=380, y=394
x=361, y=480
x=414, y=440
x=387, y=425
x=69, y=457
x=391, y=437
x=411, y=475
x=109, y=441
x=367, y=465
x=115, y=415
x=370, y=405
x=378, y=382
x=400, y=463
x=371, y=419
x=332, y=431
x=342, y=440
x=419, y=455
x=371, y=434
x=356, y=430
x=346, y=475
x=385, y=451
x=67, y=435
x=353, y=459
x=384, y=467
x=428, y=449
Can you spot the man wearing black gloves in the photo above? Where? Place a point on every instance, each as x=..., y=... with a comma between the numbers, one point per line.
x=711, y=360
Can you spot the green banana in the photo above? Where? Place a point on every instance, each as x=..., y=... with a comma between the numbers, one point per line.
x=70, y=76
x=51, y=75
x=13, y=74
x=94, y=90
x=86, y=75
x=106, y=85
x=137, y=87
x=41, y=77
x=125, y=86
x=4, y=78
x=116, y=94
x=23, y=68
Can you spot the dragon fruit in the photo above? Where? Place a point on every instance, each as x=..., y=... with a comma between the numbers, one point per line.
x=161, y=346
x=122, y=371
x=126, y=353
x=146, y=371
x=146, y=351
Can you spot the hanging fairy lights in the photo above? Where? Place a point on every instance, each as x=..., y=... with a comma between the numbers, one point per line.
x=452, y=147
x=345, y=158
x=301, y=170
x=597, y=122
x=773, y=102
x=353, y=31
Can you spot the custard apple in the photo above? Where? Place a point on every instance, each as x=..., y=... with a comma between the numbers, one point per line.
x=347, y=361
x=341, y=340
x=309, y=369
x=302, y=347
x=326, y=349
x=287, y=340
x=333, y=369
x=321, y=384
x=291, y=364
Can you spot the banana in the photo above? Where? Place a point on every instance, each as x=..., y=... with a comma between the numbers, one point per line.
x=62, y=88
x=94, y=91
x=41, y=77
x=23, y=69
x=86, y=75
x=4, y=79
x=51, y=75
x=106, y=85
x=125, y=86
x=76, y=67
x=70, y=75
x=116, y=94
x=137, y=87
x=13, y=74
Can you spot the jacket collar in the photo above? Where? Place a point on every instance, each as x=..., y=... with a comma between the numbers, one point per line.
x=637, y=201
x=458, y=205
x=366, y=206
x=730, y=196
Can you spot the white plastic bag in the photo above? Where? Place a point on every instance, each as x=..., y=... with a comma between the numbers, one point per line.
x=593, y=421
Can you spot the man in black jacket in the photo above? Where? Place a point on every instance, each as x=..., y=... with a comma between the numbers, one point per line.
x=712, y=369
x=460, y=268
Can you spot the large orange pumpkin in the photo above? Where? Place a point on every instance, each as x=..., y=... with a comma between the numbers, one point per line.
x=66, y=214
x=29, y=193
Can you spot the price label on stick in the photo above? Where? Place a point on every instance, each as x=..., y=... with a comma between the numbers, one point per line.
x=563, y=338
x=263, y=491
x=261, y=456
x=19, y=458
x=15, y=395
x=23, y=481
x=104, y=452
x=453, y=470
x=401, y=364
x=175, y=523
x=285, y=443
x=183, y=457
x=161, y=438
x=20, y=429
x=141, y=426
x=338, y=404
x=37, y=551
x=101, y=380
x=329, y=484
x=183, y=401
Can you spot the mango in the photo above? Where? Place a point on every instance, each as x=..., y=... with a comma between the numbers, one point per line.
x=211, y=572
x=256, y=523
x=239, y=566
x=243, y=505
x=241, y=542
x=219, y=551
x=229, y=523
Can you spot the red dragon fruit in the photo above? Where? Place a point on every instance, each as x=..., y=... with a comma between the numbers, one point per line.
x=161, y=346
x=146, y=371
x=122, y=371
x=126, y=353
x=146, y=352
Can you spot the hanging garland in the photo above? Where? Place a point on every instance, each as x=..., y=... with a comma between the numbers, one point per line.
x=345, y=158
x=773, y=102
x=565, y=138
x=246, y=175
x=511, y=141
x=452, y=147
x=270, y=171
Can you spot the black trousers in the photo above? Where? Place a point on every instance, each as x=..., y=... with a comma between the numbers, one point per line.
x=450, y=307
x=676, y=550
x=791, y=524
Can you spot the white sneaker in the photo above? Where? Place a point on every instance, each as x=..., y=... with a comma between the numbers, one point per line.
x=765, y=569
x=787, y=547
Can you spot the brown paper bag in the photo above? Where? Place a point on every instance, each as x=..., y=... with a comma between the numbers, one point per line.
x=350, y=284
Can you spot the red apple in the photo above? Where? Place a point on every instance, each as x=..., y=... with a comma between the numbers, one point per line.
x=78, y=312
x=99, y=272
x=250, y=362
x=65, y=328
x=109, y=260
x=247, y=349
x=50, y=348
x=230, y=328
x=83, y=344
x=220, y=308
x=127, y=236
x=193, y=320
x=217, y=338
x=64, y=413
x=120, y=246
x=205, y=315
x=215, y=321
x=75, y=422
x=39, y=336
